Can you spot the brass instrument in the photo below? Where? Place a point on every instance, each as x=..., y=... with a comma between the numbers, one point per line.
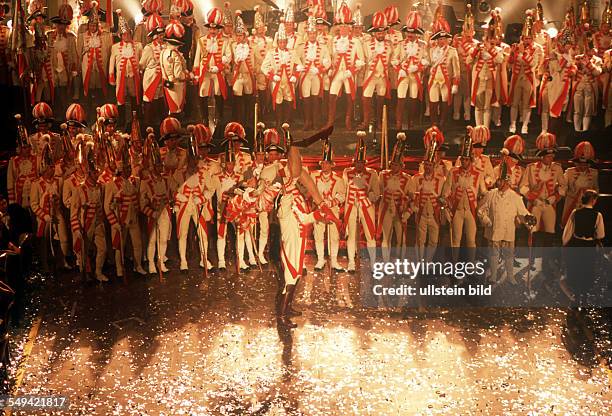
x=135, y=130
x=67, y=146
x=384, y=145
x=22, y=132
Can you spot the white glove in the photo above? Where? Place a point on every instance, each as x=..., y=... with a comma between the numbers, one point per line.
x=402, y=73
x=412, y=69
x=405, y=216
x=47, y=218
x=225, y=59
x=226, y=184
x=247, y=195
x=300, y=68
x=454, y=89
x=276, y=78
x=197, y=200
x=359, y=63
x=292, y=79
x=424, y=62
x=347, y=74
x=208, y=194
x=486, y=55
x=394, y=62
x=181, y=198
x=213, y=70
x=313, y=70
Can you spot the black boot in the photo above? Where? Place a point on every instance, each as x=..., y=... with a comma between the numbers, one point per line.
x=291, y=311
x=283, y=318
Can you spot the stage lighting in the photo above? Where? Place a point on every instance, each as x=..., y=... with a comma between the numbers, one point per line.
x=9, y=24
x=138, y=17
x=551, y=29
x=484, y=7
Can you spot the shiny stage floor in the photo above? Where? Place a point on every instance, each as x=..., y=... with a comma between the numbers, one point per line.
x=180, y=347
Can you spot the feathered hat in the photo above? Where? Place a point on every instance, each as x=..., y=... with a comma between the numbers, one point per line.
x=546, y=143
x=584, y=152
x=273, y=141
x=379, y=22
x=343, y=16
x=466, y=146
x=400, y=146
x=468, y=20
x=328, y=154
x=361, y=149
x=414, y=22
x=514, y=146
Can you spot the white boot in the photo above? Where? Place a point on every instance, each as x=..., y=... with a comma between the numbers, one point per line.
x=545, y=117
x=140, y=270
x=577, y=122
x=221, y=252
x=526, y=117
x=320, y=264
x=486, y=118
x=586, y=123
x=512, y=128
x=100, y=277
x=351, y=266
x=478, y=115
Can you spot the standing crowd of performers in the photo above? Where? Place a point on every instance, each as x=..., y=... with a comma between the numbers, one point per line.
x=167, y=64
x=91, y=191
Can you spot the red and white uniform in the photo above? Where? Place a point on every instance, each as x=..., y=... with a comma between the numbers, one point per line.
x=465, y=47
x=333, y=190
x=94, y=50
x=543, y=186
x=347, y=59
x=87, y=219
x=174, y=71
x=155, y=198
x=189, y=200
x=20, y=175
x=362, y=192
x=378, y=58
x=64, y=61
x=123, y=71
x=174, y=159
x=45, y=197
x=279, y=67
x=556, y=91
x=261, y=46
x=243, y=71
x=444, y=73
x=524, y=63
x=394, y=190
x=485, y=63
x=224, y=182
x=313, y=63
x=462, y=189
x=152, y=74
x=585, y=88
x=427, y=191
x=578, y=181
x=121, y=209
x=212, y=57
x=410, y=60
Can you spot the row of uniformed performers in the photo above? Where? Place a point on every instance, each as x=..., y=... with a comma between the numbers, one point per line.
x=90, y=191
x=161, y=62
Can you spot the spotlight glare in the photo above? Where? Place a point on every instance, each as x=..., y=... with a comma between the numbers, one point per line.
x=9, y=24
x=138, y=17
x=552, y=32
